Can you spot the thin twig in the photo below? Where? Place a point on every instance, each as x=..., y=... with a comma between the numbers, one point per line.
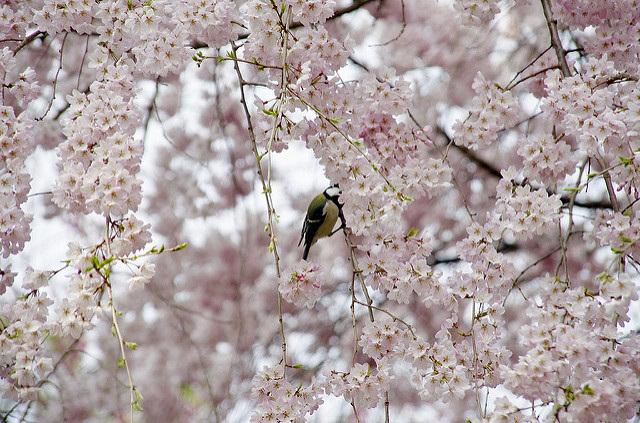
x=116, y=327
x=404, y=26
x=28, y=40
x=266, y=184
x=475, y=357
x=55, y=80
x=552, y=24
x=521, y=71
x=610, y=190
x=84, y=56
x=388, y=313
x=565, y=241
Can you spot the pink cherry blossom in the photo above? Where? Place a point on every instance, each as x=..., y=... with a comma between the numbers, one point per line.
x=157, y=159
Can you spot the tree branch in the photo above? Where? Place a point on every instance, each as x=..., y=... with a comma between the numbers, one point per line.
x=552, y=24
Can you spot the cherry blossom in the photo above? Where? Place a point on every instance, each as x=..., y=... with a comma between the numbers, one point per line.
x=157, y=158
x=302, y=286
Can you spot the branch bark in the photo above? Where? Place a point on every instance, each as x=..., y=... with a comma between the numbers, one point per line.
x=552, y=24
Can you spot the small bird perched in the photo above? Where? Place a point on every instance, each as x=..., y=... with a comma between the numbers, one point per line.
x=321, y=217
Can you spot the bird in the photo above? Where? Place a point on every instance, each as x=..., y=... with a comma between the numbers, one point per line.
x=321, y=217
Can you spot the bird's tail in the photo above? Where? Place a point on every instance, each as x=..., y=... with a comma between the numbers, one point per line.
x=307, y=246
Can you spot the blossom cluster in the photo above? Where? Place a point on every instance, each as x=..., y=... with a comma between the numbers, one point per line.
x=617, y=231
x=600, y=115
x=477, y=12
x=615, y=40
x=545, y=159
x=573, y=346
x=405, y=271
x=301, y=285
x=22, y=84
x=281, y=401
x=440, y=371
x=15, y=145
x=487, y=284
x=16, y=19
x=268, y=23
x=525, y=212
x=24, y=362
x=581, y=13
x=100, y=157
x=58, y=16
x=491, y=272
x=155, y=33
x=311, y=11
x=491, y=111
x=584, y=105
x=212, y=22
x=615, y=28
x=361, y=385
x=379, y=339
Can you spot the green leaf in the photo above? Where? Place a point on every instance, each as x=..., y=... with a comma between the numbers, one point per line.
x=120, y=363
x=270, y=112
x=412, y=232
x=625, y=161
x=131, y=345
x=106, y=262
x=568, y=392
x=625, y=239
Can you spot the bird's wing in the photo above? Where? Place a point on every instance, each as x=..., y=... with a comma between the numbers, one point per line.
x=318, y=215
x=312, y=222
